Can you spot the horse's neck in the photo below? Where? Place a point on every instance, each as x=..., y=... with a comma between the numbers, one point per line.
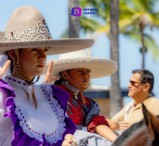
x=127, y=133
x=140, y=135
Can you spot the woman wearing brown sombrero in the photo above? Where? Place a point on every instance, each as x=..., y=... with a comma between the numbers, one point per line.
x=75, y=70
x=32, y=115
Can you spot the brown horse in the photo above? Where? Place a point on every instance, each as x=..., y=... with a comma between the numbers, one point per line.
x=144, y=133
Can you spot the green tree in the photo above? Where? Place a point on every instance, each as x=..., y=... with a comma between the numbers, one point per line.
x=136, y=20
x=140, y=16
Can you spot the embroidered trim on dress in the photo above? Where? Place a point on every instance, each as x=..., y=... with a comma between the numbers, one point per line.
x=40, y=32
x=17, y=81
x=57, y=110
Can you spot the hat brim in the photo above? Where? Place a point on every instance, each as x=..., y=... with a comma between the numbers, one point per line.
x=54, y=46
x=99, y=67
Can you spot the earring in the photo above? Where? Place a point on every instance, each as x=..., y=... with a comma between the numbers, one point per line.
x=66, y=82
x=75, y=95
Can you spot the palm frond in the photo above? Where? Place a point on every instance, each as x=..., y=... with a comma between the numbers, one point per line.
x=89, y=24
x=104, y=29
x=151, y=45
x=132, y=13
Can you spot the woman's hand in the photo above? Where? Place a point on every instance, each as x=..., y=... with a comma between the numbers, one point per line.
x=4, y=68
x=48, y=77
x=69, y=140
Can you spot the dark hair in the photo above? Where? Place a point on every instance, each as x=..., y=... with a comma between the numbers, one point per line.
x=11, y=66
x=58, y=82
x=145, y=77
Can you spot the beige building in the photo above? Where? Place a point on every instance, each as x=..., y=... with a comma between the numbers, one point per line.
x=1, y=33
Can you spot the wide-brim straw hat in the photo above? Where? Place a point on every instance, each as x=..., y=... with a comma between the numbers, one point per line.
x=27, y=28
x=99, y=67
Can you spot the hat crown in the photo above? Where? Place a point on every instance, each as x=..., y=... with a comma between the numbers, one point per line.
x=26, y=24
x=99, y=67
x=76, y=54
x=27, y=28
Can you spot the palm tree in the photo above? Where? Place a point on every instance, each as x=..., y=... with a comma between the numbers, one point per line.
x=132, y=14
x=115, y=94
x=74, y=24
x=141, y=15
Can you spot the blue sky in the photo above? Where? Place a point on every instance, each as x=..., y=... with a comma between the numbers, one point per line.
x=56, y=14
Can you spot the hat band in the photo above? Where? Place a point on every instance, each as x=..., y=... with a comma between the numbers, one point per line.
x=38, y=33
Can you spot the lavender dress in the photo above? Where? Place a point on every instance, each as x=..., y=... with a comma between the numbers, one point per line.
x=23, y=124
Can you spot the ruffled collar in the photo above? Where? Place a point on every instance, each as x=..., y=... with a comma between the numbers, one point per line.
x=37, y=123
x=71, y=88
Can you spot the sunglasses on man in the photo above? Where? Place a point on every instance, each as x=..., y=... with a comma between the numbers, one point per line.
x=133, y=83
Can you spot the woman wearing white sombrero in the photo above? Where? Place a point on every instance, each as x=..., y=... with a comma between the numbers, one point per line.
x=75, y=70
x=32, y=115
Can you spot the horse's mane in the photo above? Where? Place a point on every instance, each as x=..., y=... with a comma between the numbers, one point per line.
x=144, y=132
x=140, y=137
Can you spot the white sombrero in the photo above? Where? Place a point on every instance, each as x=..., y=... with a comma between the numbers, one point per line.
x=27, y=28
x=80, y=59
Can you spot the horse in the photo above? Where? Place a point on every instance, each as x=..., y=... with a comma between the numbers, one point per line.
x=143, y=133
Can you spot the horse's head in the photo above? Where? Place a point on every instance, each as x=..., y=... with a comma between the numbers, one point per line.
x=143, y=133
x=152, y=125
